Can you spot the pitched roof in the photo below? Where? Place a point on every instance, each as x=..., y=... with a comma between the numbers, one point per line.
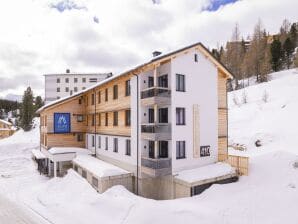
x=203, y=49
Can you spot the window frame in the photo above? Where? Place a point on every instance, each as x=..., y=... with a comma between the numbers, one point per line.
x=115, y=118
x=106, y=94
x=178, y=121
x=128, y=118
x=115, y=145
x=180, y=87
x=180, y=149
x=128, y=147
x=106, y=119
x=127, y=88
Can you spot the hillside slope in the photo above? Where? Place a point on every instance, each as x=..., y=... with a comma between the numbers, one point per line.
x=274, y=123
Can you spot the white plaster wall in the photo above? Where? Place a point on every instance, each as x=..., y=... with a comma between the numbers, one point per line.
x=201, y=89
x=120, y=155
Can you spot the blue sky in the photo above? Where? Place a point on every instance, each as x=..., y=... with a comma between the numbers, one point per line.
x=216, y=4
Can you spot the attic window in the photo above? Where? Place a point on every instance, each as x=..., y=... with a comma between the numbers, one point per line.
x=196, y=58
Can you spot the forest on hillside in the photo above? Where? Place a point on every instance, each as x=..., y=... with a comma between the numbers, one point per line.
x=259, y=54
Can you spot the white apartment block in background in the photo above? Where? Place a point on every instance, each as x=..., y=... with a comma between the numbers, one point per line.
x=65, y=84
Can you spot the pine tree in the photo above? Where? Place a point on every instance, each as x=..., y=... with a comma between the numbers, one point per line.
x=38, y=103
x=288, y=51
x=27, y=110
x=294, y=35
x=276, y=55
x=296, y=59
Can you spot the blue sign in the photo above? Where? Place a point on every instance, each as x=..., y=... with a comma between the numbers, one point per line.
x=61, y=122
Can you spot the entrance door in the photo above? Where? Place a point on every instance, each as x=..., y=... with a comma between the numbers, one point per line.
x=150, y=115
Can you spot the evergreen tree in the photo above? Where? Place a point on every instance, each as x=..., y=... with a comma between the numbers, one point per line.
x=38, y=103
x=27, y=110
x=276, y=55
x=294, y=35
x=288, y=51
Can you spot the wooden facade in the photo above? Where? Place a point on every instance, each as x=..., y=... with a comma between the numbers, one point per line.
x=5, y=129
x=100, y=104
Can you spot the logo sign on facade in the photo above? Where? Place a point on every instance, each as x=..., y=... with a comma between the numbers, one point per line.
x=61, y=122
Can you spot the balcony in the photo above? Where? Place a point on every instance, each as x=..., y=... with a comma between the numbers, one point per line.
x=156, y=132
x=156, y=167
x=156, y=95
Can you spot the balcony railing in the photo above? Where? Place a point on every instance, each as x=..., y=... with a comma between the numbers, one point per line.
x=156, y=128
x=161, y=163
x=155, y=91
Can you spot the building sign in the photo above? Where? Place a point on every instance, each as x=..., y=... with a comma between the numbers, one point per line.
x=205, y=150
x=61, y=122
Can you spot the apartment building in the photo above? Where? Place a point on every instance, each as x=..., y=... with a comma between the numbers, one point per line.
x=65, y=84
x=155, y=122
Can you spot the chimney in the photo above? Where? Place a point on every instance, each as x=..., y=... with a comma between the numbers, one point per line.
x=156, y=53
x=67, y=70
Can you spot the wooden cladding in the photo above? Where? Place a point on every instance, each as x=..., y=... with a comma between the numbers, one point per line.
x=222, y=91
x=222, y=122
x=240, y=163
x=222, y=149
x=196, y=131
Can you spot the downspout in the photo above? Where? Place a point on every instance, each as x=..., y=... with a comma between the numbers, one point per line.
x=95, y=121
x=137, y=192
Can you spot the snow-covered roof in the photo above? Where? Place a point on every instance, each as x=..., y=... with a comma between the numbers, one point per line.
x=79, y=73
x=5, y=122
x=205, y=172
x=60, y=150
x=159, y=57
x=38, y=154
x=98, y=167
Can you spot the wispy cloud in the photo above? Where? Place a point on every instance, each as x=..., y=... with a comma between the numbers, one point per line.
x=216, y=4
x=67, y=5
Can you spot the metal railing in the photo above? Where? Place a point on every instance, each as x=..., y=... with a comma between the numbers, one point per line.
x=160, y=163
x=155, y=91
x=156, y=128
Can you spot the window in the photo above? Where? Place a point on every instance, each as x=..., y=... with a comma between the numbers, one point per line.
x=163, y=115
x=127, y=88
x=150, y=115
x=80, y=118
x=99, y=141
x=83, y=79
x=75, y=89
x=80, y=101
x=92, y=99
x=196, y=57
x=80, y=137
x=84, y=173
x=107, y=143
x=115, y=120
x=106, y=95
x=163, y=149
x=58, y=80
x=94, y=181
x=75, y=80
x=128, y=148
x=127, y=117
x=163, y=81
x=180, y=83
x=93, y=141
x=83, y=88
x=150, y=81
x=99, y=97
x=115, y=92
x=180, y=149
x=115, y=145
x=58, y=89
x=58, y=97
x=93, y=80
x=67, y=80
x=180, y=116
x=205, y=151
x=99, y=119
x=93, y=120
x=66, y=89
x=106, y=119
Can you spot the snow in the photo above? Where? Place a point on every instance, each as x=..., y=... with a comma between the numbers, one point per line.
x=5, y=122
x=38, y=154
x=274, y=122
x=268, y=195
x=98, y=167
x=206, y=172
x=58, y=150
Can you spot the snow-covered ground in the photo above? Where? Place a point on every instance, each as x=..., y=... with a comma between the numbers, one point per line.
x=268, y=195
